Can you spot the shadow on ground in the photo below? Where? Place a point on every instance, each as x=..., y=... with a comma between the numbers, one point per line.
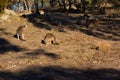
x=5, y=46
x=60, y=73
x=35, y=53
x=108, y=29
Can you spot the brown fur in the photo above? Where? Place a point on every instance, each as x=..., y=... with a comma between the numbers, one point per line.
x=19, y=32
x=50, y=39
x=93, y=22
x=83, y=19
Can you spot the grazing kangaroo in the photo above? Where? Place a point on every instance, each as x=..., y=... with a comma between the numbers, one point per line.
x=94, y=21
x=83, y=19
x=19, y=32
x=50, y=39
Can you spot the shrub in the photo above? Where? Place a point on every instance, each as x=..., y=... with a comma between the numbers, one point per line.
x=3, y=4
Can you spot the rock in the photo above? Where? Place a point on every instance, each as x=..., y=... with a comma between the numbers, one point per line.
x=95, y=62
x=4, y=18
x=9, y=12
x=6, y=15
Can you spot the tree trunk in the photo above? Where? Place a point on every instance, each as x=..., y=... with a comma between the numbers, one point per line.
x=51, y=3
x=70, y=5
x=27, y=4
x=42, y=3
x=36, y=6
x=59, y=4
x=64, y=4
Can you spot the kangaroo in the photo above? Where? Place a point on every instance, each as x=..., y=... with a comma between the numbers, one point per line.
x=50, y=39
x=83, y=19
x=19, y=32
x=94, y=21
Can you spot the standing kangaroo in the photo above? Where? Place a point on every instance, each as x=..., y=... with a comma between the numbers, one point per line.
x=19, y=32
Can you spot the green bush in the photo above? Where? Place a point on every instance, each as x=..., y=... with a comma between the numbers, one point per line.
x=3, y=4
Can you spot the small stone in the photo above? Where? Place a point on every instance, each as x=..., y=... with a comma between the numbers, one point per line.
x=95, y=62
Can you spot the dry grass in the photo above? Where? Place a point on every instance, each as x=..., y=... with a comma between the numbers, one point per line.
x=103, y=46
x=75, y=49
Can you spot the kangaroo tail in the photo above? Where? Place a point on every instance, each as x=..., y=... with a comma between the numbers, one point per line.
x=22, y=39
x=55, y=43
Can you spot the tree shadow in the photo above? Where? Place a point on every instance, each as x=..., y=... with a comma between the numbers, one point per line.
x=60, y=73
x=3, y=32
x=36, y=20
x=50, y=20
x=101, y=33
x=107, y=29
x=37, y=52
x=5, y=46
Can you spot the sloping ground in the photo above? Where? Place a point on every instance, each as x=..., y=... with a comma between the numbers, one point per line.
x=78, y=57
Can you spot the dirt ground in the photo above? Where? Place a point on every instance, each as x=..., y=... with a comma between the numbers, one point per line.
x=83, y=53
